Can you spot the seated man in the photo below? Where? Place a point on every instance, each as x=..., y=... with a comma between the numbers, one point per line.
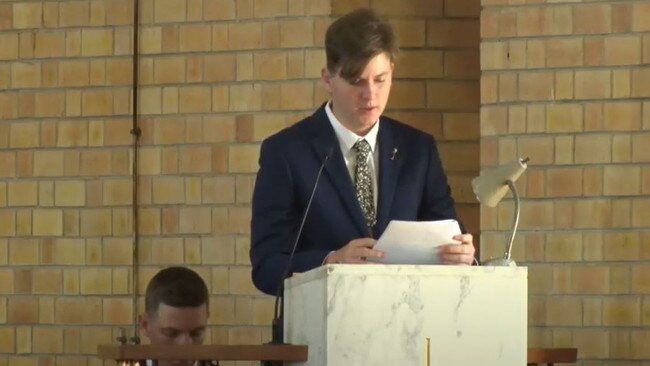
x=176, y=311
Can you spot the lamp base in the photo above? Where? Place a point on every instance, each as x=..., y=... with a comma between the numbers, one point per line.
x=501, y=262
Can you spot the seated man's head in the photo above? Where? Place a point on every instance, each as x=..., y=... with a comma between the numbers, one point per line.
x=176, y=307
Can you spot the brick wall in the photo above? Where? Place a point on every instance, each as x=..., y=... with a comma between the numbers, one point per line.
x=566, y=83
x=217, y=77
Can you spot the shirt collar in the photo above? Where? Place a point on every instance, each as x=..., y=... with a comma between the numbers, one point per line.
x=347, y=138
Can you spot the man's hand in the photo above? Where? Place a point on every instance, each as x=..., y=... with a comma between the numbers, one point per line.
x=356, y=251
x=462, y=253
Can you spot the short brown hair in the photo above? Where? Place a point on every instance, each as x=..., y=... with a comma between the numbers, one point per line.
x=355, y=38
x=178, y=287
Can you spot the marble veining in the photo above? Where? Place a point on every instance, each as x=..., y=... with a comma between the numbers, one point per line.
x=382, y=314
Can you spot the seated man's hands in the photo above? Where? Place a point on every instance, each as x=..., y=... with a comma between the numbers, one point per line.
x=459, y=254
x=356, y=251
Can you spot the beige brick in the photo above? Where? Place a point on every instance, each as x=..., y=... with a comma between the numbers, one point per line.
x=117, y=311
x=592, y=84
x=452, y=94
x=168, y=190
x=167, y=251
x=169, y=70
x=564, y=182
x=195, y=99
x=194, y=38
x=218, y=250
x=96, y=222
x=640, y=80
x=218, y=190
x=170, y=11
x=78, y=310
x=220, y=67
x=26, y=75
x=621, y=312
x=594, y=51
x=49, y=44
x=564, y=52
x=640, y=13
x=96, y=42
x=410, y=32
x=119, y=12
x=95, y=281
x=27, y=15
x=621, y=83
x=49, y=104
x=195, y=220
x=564, y=118
x=74, y=13
x=219, y=9
x=536, y=86
x=6, y=16
x=22, y=310
x=240, y=281
x=621, y=149
x=563, y=311
x=47, y=281
x=622, y=16
x=245, y=97
x=593, y=213
x=24, y=135
x=453, y=33
x=149, y=221
x=623, y=116
x=614, y=185
x=95, y=162
x=590, y=279
x=22, y=193
x=539, y=149
x=592, y=19
x=623, y=50
x=296, y=33
x=47, y=222
x=97, y=103
x=244, y=35
x=593, y=149
x=118, y=192
x=69, y=193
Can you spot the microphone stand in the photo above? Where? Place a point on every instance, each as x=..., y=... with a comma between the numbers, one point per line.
x=277, y=326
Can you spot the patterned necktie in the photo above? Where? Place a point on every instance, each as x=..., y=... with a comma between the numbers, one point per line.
x=363, y=182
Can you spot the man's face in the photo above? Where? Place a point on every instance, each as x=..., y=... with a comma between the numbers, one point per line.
x=358, y=104
x=172, y=325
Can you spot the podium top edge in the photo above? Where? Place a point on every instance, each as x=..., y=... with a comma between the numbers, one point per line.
x=405, y=270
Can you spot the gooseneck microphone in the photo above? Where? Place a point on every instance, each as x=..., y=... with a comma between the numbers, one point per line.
x=277, y=326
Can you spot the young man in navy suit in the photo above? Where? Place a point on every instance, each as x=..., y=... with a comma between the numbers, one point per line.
x=375, y=169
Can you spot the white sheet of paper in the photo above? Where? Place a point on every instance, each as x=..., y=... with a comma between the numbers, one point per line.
x=415, y=242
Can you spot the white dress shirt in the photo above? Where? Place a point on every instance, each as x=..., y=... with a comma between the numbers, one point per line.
x=347, y=139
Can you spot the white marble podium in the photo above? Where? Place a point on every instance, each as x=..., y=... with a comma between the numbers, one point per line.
x=408, y=315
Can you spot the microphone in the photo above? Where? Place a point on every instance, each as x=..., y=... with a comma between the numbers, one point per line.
x=393, y=153
x=278, y=313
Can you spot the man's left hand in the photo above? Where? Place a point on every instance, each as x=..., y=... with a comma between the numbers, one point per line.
x=458, y=254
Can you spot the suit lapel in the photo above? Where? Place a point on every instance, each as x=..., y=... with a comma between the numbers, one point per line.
x=390, y=160
x=325, y=140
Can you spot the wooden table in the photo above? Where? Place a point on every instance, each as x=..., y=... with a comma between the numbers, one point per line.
x=266, y=352
x=549, y=356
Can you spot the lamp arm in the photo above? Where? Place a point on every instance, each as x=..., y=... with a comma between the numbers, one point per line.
x=515, y=219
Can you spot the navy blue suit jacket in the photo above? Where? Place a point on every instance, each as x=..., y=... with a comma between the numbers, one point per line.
x=412, y=186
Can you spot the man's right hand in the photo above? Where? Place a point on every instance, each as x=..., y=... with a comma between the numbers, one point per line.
x=356, y=251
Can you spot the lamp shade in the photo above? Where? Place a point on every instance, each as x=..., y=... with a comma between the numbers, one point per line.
x=492, y=184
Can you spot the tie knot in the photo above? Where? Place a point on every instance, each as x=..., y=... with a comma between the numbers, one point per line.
x=362, y=147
